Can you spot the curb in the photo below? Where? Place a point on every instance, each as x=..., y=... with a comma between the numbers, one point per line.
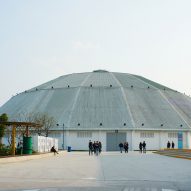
x=27, y=157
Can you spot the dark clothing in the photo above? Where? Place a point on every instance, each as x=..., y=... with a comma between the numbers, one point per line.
x=140, y=147
x=168, y=145
x=100, y=147
x=144, y=147
x=90, y=148
x=121, y=147
x=96, y=148
x=126, y=147
x=173, y=145
x=54, y=150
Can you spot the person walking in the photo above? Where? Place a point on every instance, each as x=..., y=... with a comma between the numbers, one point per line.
x=121, y=147
x=144, y=147
x=173, y=145
x=140, y=147
x=100, y=147
x=126, y=147
x=90, y=148
x=168, y=145
x=96, y=148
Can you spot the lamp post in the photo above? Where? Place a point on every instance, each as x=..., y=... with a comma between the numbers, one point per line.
x=63, y=138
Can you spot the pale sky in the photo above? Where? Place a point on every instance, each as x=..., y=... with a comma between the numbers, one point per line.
x=43, y=39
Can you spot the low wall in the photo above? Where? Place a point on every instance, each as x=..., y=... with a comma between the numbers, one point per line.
x=44, y=144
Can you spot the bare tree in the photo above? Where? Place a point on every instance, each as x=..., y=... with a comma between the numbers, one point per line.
x=44, y=119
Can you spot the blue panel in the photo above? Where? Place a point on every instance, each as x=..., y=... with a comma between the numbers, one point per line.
x=180, y=140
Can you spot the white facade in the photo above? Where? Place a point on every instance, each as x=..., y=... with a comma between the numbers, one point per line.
x=155, y=140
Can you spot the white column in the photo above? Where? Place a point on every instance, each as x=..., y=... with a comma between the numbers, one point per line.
x=132, y=140
x=188, y=140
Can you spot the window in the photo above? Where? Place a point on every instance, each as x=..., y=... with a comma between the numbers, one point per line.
x=172, y=135
x=84, y=134
x=147, y=134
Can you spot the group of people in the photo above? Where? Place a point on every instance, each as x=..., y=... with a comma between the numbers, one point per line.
x=169, y=145
x=124, y=146
x=95, y=147
x=142, y=147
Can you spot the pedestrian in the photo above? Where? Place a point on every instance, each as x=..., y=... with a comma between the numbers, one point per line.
x=144, y=147
x=90, y=147
x=126, y=147
x=140, y=147
x=54, y=150
x=168, y=145
x=96, y=148
x=121, y=147
x=173, y=145
x=100, y=147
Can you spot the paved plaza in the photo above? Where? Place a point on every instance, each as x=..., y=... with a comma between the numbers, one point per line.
x=112, y=171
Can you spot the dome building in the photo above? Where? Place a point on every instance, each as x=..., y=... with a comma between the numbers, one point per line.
x=109, y=107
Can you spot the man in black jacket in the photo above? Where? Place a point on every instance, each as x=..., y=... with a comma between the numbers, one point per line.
x=144, y=147
x=121, y=147
x=90, y=147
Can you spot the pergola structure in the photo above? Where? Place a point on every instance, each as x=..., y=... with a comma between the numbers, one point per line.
x=16, y=124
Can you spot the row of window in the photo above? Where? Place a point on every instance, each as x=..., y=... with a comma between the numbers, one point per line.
x=147, y=134
x=87, y=134
x=84, y=134
x=172, y=135
x=142, y=134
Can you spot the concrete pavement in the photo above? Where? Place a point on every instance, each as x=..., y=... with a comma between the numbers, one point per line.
x=110, y=171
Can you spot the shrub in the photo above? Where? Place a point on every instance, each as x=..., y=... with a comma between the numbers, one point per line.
x=5, y=150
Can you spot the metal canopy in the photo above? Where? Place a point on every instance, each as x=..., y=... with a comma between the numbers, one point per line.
x=20, y=124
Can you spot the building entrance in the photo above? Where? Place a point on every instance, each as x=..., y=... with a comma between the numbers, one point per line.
x=113, y=140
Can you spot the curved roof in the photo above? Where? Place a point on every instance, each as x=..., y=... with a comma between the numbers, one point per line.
x=105, y=100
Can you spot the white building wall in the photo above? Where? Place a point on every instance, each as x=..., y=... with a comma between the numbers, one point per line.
x=129, y=139
x=152, y=143
x=159, y=141
x=185, y=142
x=81, y=143
x=165, y=138
x=188, y=140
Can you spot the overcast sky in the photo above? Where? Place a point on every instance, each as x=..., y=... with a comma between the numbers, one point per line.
x=41, y=40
